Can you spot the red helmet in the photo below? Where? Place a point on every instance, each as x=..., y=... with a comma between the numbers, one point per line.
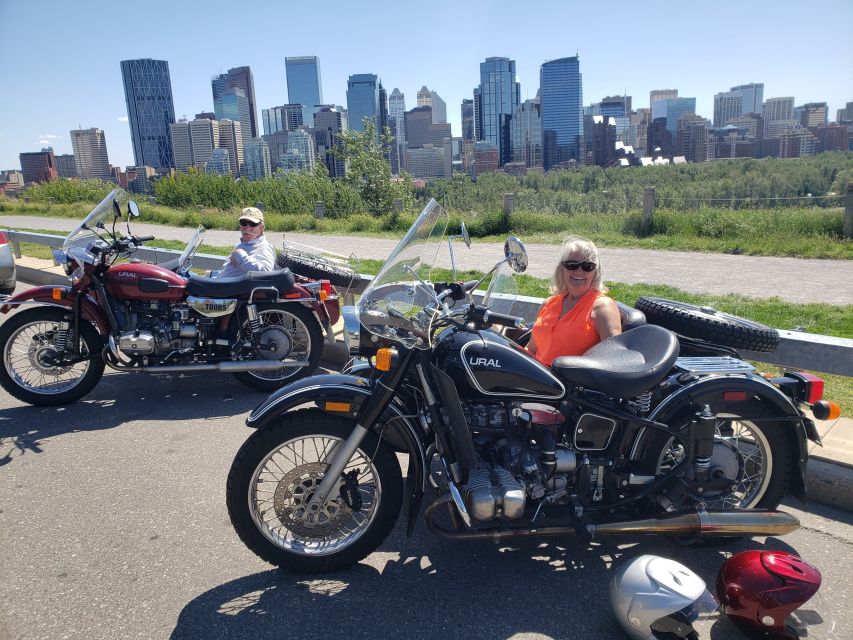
x=761, y=590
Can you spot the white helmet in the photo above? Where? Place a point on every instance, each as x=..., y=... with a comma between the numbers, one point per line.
x=655, y=598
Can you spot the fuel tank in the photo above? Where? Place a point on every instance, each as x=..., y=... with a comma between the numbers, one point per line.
x=142, y=281
x=485, y=364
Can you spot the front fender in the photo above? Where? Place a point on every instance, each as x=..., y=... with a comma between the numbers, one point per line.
x=341, y=394
x=89, y=309
x=710, y=391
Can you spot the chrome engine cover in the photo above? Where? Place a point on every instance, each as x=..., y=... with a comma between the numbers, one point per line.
x=137, y=343
x=486, y=501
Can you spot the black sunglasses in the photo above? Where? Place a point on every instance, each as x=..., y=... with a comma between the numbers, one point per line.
x=248, y=223
x=574, y=265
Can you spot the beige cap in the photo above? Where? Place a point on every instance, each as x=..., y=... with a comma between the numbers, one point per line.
x=252, y=214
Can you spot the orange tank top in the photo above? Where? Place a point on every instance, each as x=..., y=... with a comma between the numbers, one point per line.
x=572, y=335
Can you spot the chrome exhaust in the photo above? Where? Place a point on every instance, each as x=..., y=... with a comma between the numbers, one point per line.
x=230, y=366
x=742, y=522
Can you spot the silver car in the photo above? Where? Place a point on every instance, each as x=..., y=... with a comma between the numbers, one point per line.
x=8, y=277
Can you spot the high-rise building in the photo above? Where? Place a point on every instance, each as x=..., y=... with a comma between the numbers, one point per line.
x=240, y=78
x=776, y=109
x=301, y=143
x=526, y=134
x=600, y=138
x=486, y=157
x=740, y=100
x=362, y=100
x=478, y=118
x=383, y=108
x=219, y=163
x=424, y=97
x=256, y=153
x=150, y=110
x=428, y=161
x=561, y=106
x=231, y=138
x=38, y=166
x=66, y=167
x=439, y=108
x=615, y=106
x=692, y=137
x=329, y=122
x=182, y=145
x=287, y=117
x=467, y=119
x=499, y=96
x=672, y=109
x=204, y=134
x=396, y=111
x=814, y=114
x=206, y=115
x=661, y=94
x=752, y=125
x=304, y=85
x=420, y=129
x=234, y=105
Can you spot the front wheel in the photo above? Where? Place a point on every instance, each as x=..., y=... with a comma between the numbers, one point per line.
x=288, y=333
x=33, y=344
x=279, y=468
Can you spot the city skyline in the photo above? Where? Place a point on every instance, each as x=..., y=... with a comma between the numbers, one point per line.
x=624, y=56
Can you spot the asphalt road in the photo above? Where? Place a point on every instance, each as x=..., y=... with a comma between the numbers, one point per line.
x=113, y=525
x=792, y=279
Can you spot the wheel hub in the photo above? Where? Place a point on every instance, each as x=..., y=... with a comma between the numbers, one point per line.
x=43, y=358
x=274, y=343
x=292, y=495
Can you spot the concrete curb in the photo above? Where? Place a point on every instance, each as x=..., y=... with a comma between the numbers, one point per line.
x=829, y=474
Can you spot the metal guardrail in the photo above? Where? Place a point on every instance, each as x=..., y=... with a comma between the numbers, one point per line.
x=796, y=349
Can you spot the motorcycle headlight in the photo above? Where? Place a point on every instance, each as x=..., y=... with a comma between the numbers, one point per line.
x=352, y=330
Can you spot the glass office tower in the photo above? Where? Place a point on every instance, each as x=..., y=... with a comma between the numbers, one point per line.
x=304, y=85
x=363, y=100
x=561, y=109
x=150, y=111
x=499, y=96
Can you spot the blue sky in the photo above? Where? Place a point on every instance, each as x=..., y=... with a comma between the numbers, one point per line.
x=62, y=58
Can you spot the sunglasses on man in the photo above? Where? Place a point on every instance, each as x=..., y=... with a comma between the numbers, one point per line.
x=248, y=223
x=574, y=265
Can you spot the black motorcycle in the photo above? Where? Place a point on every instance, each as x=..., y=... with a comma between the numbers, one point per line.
x=628, y=439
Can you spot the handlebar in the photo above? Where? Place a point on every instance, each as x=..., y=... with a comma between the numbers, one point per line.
x=138, y=239
x=485, y=315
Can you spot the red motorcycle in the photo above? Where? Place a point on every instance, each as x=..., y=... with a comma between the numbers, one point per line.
x=265, y=328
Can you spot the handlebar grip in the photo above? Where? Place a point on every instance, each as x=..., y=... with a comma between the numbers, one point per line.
x=142, y=238
x=468, y=286
x=503, y=319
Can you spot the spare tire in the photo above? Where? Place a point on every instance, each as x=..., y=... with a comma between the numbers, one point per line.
x=315, y=270
x=708, y=324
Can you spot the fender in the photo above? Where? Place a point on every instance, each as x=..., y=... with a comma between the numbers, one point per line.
x=401, y=433
x=709, y=390
x=90, y=309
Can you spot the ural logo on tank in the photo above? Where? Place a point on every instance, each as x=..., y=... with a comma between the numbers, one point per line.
x=127, y=274
x=485, y=362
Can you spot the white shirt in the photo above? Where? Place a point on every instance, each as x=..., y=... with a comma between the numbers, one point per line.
x=255, y=255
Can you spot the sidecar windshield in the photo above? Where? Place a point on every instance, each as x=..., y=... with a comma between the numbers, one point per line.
x=503, y=290
x=192, y=246
x=400, y=302
x=84, y=234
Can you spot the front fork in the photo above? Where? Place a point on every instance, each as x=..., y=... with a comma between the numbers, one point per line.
x=368, y=414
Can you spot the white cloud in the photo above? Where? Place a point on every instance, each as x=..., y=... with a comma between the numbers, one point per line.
x=43, y=141
x=122, y=119
x=50, y=136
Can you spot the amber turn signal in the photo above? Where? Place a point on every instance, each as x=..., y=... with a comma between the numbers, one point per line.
x=826, y=410
x=384, y=358
x=56, y=294
x=340, y=407
x=323, y=295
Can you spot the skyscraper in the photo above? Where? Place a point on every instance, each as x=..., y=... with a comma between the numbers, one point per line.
x=204, y=133
x=362, y=100
x=561, y=108
x=90, y=153
x=499, y=97
x=231, y=138
x=300, y=148
x=396, y=109
x=526, y=134
x=287, y=117
x=740, y=100
x=329, y=122
x=66, y=167
x=304, y=85
x=468, y=119
x=420, y=129
x=661, y=94
x=256, y=154
x=182, y=146
x=150, y=110
x=240, y=78
x=439, y=108
x=234, y=105
x=672, y=109
x=38, y=166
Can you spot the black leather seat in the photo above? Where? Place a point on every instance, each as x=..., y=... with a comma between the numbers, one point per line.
x=282, y=280
x=623, y=366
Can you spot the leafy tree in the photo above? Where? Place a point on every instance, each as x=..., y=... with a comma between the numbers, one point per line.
x=369, y=172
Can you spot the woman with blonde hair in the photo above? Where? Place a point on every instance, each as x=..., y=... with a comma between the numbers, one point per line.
x=579, y=315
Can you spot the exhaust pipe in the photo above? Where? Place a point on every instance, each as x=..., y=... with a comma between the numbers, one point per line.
x=743, y=522
x=230, y=366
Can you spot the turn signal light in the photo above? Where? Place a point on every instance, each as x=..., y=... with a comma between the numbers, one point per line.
x=341, y=407
x=56, y=294
x=323, y=295
x=826, y=410
x=385, y=358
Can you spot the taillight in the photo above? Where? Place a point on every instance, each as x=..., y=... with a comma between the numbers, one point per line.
x=3, y=238
x=326, y=286
x=810, y=388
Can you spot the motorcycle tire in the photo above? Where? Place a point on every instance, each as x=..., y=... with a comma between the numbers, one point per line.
x=315, y=270
x=708, y=324
x=79, y=379
x=298, y=318
x=271, y=521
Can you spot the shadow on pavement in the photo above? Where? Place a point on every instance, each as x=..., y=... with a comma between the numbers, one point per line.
x=430, y=588
x=121, y=398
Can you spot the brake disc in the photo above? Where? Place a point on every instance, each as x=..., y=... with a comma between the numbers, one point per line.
x=291, y=498
x=274, y=343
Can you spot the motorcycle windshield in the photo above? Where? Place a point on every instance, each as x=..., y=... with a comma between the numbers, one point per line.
x=400, y=301
x=503, y=290
x=191, y=248
x=84, y=234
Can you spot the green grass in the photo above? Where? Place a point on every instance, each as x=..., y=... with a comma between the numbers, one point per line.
x=797, y=232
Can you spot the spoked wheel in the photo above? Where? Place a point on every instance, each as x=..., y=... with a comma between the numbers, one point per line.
x=34, y=344
x=289, y=333
x=277, y=471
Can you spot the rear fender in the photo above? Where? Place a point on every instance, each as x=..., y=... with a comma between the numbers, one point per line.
x=43, y=295
x=709, y=391
x=342, y=395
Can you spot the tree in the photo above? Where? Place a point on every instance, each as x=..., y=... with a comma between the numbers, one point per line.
x=369, y=172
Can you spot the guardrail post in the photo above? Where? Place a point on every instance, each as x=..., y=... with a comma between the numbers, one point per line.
x=848, y=212
x=319, y=210
x=509, y=202
x=648, y=207
x=16, y=249
x=259, y=205
x=398, y=205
